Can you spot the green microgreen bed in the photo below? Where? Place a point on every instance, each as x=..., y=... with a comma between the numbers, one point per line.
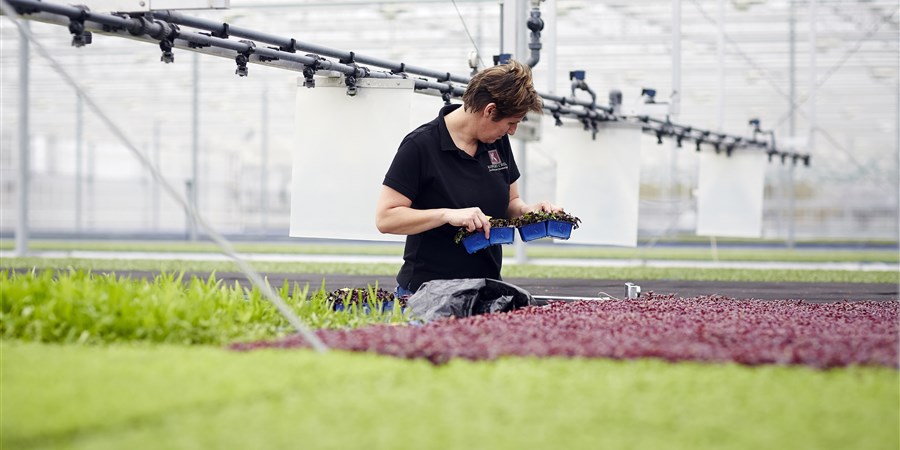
x=81, y=307
x=130, y=396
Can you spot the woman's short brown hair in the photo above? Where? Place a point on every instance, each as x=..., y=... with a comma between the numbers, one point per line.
x=509, y=86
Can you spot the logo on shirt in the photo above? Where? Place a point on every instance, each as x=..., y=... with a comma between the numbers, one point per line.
x=496, y=162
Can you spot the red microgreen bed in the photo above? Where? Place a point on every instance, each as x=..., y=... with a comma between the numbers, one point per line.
x=711, y=329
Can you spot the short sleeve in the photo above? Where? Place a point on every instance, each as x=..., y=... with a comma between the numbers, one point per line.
x=513, y=168
x=405, y=172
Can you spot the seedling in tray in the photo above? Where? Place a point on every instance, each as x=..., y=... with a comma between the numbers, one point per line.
x=501, y=233
x=541, y=224
x=348, y=298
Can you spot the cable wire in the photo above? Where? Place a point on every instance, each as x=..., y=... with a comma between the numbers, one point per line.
x=223, y=244
x=465, y=27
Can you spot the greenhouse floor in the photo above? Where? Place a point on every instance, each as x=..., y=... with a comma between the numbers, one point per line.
x=567, y=288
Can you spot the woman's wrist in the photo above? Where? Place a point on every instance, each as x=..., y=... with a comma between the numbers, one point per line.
x=445, y=216
x=517, y=208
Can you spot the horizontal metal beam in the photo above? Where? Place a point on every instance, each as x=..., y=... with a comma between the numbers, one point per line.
x=163, y=26
x=342, y=3
x=283, y=42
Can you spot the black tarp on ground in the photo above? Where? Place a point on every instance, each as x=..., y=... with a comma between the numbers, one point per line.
x=441, y=299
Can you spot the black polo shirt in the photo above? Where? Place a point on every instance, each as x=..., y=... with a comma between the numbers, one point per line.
x=433, y=172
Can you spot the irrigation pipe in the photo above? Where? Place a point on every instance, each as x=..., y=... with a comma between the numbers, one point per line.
x=283, y=42
x=223, y=244
x=284, y=56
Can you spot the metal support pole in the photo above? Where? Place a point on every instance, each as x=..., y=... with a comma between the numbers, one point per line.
x=813, y=87
x=79, y=156
x=813, y=75
x=512, y=26
x=675, y=107
x=24, y=166
x=791, y=204
x=720, y=57
x=147, y=186
x=91, y=192
x=513, y=29
x=156, y=187
x=195, y=143
x=502, y=18
x=521, y=30
x=897, y=152
x=792, y=124
x=188, y=219
x=792, y=69
x=675, y=101
x=264, y=163
x=720, y=103
x=549, y=35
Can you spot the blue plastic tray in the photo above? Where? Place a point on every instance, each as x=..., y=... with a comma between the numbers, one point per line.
x=475, y=242
x=533, y=231
x=557, y=229
x=502, y=235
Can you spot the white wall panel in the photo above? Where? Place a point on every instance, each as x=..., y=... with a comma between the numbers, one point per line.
x=598, y=180
x=730, y=194
x=343, y=147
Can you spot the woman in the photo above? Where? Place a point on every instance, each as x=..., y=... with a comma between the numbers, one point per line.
x=458, y=171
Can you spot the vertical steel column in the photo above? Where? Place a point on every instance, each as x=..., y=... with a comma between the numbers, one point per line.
x=521, y=42
x=813, y=81
x=720, y=57
x=91, y=191
x=264, y=163
x=548, y=34
x=188, y=218
x=513, y=31
x=195, y=145
x=675, y=105
x=79, y=154
x=791, y=205
x=24, y=166
x=156, y=187
x=147, y=187
x=813, y=75
x=512, y=20
x=720, y=104
x=502, y=18
x=792, y=69
x=792, y=124
x=897, y=152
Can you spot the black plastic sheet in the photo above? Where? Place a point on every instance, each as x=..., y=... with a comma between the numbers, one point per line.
x=466, y=297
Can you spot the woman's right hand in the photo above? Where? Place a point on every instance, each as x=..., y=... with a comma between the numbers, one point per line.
x=470, y=218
